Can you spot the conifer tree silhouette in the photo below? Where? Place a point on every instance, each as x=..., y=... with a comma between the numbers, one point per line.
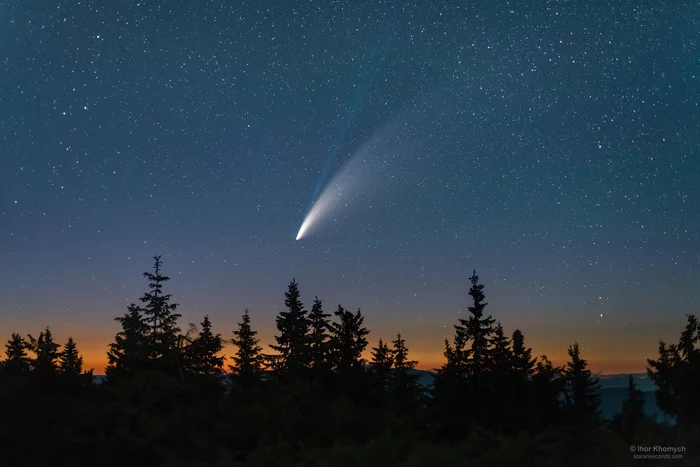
x=203, y=357
x=583, y=391
x=348, y=342
x=293, y=341
x=70, y=367
x=381, y=363
x=548, y=387
x=17, y=361
x=130, y=350
x=513, y=368
x=632, y=412
x=161, y=318
x=400, y=356
x=633, y=406
x=476, y=330
x=460, y=380
x=455, y=365
x=523, y=361
x=319, y=347
x=404, y=382
x=501, y=356
x=248, y=359
x=70, y=361
x=504, y=393
x=676, y=374
x=45, y=365
x=448, y=389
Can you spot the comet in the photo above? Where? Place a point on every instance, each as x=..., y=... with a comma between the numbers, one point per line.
x=389, y=158
x=338, y=193
x=356, y=179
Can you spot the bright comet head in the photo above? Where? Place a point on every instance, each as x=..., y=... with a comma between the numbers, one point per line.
x=321, y=205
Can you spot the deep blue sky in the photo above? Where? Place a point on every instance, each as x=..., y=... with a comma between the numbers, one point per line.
x=551, y=146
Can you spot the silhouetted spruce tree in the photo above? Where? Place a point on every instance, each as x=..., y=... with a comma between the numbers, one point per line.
x=548, y=388
x=293, y=340
x=583, y=391
x=689, y=338
x=459, y=383
x=457, y=356
x=45, y=365
x=17, y=361
x=523, y=363
x=159, y=314
x=627, y=421
x=70, y=367
x=348, y=341
x=448, y=402
x=633, y=406
x=500, y=353
x=476, y=330
x=505, y=392
x=665, y=374
x=248, y=359
x=460, y=374
x=381, y=363
x=70, y=361
x=319, y=346
x=449, y=384
x=203, y=357
x=517, y=398
x=403, y=380
x=676, y=374
x=455, y=366
x=129, y=351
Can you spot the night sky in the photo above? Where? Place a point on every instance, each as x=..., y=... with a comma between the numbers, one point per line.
x=552, y=146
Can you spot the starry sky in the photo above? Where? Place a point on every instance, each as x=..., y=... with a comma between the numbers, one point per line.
x=553, y=146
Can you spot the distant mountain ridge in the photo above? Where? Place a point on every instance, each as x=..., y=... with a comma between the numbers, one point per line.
x=620, y=381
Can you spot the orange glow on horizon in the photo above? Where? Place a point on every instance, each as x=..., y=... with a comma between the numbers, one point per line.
x=614, y=350
x=432, y=362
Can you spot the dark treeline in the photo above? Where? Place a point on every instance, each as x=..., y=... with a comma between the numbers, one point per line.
x=169, y=400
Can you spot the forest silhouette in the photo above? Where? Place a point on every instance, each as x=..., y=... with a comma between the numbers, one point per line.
x=313, y=401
